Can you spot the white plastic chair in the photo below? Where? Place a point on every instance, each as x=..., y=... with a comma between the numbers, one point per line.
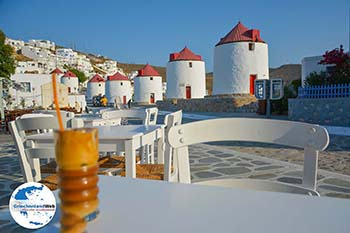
x=312, y=138
x=148, y=117
x=171, y=159
x=29, y=156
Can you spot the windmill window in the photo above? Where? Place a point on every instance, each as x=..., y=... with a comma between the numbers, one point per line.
x=251, y=46
x=121, y=83
x=151, y=78
x=190, y=64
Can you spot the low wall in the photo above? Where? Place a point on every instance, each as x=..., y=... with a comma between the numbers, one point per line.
x=211, y=104
x=330, y=111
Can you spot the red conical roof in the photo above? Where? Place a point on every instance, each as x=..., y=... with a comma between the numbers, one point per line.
x=56, y=71
x=69, y=74
x=96, y=79
x=185, y=54
x=147, y=70
x=241, y=33
x=118, y=77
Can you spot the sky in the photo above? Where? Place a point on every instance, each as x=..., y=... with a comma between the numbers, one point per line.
x=148, y=31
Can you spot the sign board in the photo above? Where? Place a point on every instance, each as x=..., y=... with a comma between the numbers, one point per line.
x=260, y=89
x=276, y=89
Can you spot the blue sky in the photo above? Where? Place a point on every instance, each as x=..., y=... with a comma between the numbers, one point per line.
x=147, y=31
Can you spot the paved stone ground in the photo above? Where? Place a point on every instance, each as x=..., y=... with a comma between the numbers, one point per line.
x=221, y=160
x=336, y=158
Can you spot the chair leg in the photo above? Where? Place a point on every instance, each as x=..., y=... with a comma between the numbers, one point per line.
x=184, y=165
x=310, y=168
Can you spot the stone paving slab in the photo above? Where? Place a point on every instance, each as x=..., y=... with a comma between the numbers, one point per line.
x=217, y=162
x=207, y=162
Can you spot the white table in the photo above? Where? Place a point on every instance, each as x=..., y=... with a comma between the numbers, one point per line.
x=173, y=208
x=126, y=138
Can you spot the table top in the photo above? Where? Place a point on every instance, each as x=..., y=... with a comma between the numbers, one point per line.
x=114, y=132
x=135, y=205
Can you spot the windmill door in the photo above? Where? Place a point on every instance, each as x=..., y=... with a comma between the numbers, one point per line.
x=188, y=92
x=251, y=84
x=152, y=98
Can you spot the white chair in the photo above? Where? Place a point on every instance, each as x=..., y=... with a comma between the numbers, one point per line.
x=29, y=156
x=148, y=117
x=168, y=171
x=312, y=138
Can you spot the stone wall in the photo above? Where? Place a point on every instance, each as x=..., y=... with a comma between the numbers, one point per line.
x=237, y=103
x=332, y=111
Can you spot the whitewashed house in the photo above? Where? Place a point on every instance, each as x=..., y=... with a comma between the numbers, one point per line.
x=66, y=56
x=109, y=67
x=118, y=89
x=240, y=57
x=35, y=53
x=311, y=64
x=147, y=86
x=16, y=44
x=83, y=64
x=95, y=86
x=185, y=75
x=71, y=81
x=45, y=44
x=26, y=88
x=33, y=67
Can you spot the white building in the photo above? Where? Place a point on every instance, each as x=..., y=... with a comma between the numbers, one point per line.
x=71, y=81
x=66, y=55
x=83, y=64
x=95, y=86
x=17, y=44
x=118, y=88
x=45, y=44
x=311, y=64
x=33, y=67
x=109, y=67
x=148, y=86
x=27, y=88
x=185, y=75
x=239, y=58
x=35, y=53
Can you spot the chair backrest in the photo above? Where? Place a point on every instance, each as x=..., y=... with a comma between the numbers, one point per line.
x=171, y=159
x=148, y=116
x=151, y=116
x=312, y=138
x=29, y=155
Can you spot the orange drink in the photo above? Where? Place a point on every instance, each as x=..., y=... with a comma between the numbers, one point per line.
x=76, y=157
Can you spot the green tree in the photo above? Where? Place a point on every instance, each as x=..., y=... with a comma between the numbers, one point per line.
x=290, y=91
x=316, y=79
x=7, y=62
x=81, y=76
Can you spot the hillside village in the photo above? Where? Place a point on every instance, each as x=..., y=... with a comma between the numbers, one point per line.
x=84, y=77
x=213, y=125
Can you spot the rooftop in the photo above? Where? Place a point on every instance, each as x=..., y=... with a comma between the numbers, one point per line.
x=147, y=70
x=185, y=54
x=241, y=33
x=96, y=79
x=69, y=74
x=117, y=77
